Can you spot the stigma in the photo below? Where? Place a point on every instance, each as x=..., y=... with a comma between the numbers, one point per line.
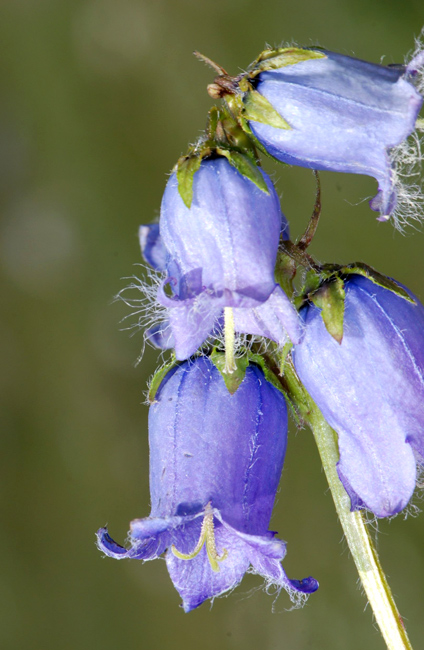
x=207, y=537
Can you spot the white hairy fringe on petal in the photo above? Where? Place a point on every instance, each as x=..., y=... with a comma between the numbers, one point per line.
x=407, y=160
x=141, y=296
x=417, y=54
x=243, y=342
x=297, y=598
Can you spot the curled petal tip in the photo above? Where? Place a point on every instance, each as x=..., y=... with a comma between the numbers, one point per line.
x=306, y=586
x=106, y=544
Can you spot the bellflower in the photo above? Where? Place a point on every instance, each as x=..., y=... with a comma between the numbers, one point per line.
x=370, y=389
x=220, y=252
x=345, y=115
x=215, y=464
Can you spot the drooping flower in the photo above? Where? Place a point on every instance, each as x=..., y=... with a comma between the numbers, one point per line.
x=344, y=115
x=219, y=253
x=215, y=464
x=370, y=389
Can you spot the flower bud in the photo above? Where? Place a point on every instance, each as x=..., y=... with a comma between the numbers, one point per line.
x=215, y=465
x=370, y=389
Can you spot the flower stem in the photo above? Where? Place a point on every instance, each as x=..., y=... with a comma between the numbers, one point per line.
x=359, y=541
x=229, y=338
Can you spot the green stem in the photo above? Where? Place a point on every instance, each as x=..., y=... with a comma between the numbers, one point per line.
x=360, y=543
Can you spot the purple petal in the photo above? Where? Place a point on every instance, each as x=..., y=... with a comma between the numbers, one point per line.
x=265, y=554
x=231, y=231
x=190, y=321
x=149, y=537
x=161, y=336
x=152, y=248
x=106, y=544
x=370, y=390
x=195, y=580
x=194, y=471
x=276, y=319
x=344, y=115
x=239, y=469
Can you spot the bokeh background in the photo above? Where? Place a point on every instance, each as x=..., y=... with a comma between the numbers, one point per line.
x=98, y=99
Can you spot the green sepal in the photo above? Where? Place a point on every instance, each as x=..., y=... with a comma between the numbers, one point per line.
x=284, y=354
x=366, y=271
x=224, y=136
x=159, y=375
x=257, y=108
x=187, y=166
x=256, y=143
x=273, y=59
x=232, y=379
x=330, y=298
x=312, y=282
x=329, y=271
x=246, y=166
x=284, y=272
x=214, y=116
x=270, y=374
x=297, y=406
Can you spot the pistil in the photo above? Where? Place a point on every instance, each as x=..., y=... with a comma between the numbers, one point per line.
x=229, y=339
x=207, y=536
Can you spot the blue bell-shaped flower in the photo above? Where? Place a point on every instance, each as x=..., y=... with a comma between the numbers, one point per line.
x=370, y=389
x=344, y=115
x=219, y=253
x=215, y=465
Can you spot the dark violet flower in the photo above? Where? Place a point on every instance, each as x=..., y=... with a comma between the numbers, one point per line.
x=345, y=115
x=370, y=389
x=219, y=253
x=215, y=464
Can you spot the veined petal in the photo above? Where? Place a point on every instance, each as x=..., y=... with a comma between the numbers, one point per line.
x=150, y=537
x=345, y=114
x=220, y=252
x=370, y=389
x=231, y=230
x=190, y=321
x=161, y=335
x=276, y=319
x=196, y=581
x=215, y=463
x=239, y=469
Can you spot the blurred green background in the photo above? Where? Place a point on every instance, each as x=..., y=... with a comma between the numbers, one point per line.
x=98, y=99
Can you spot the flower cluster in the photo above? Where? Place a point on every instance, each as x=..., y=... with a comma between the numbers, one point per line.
x=222, y=251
